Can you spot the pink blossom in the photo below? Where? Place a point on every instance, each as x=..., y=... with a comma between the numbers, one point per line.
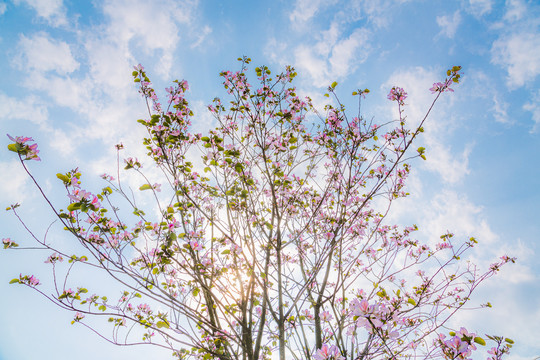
x=326, y=352
x=397, y=94
x=8, y=243
x=78, y=317
x=442, y=87
x=54, y=258
x=29, y=280
x=326, y=316
x=30, y=151
x=107, y=177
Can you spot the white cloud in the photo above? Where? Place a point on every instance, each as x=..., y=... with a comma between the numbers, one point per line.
x=29, y=108
x=3, y=8
x=520, y=55
x=475, y=85
x=129, y=24
x=534, y=107
x=16, y=186
x=51, y=10
x=515, y=10
x=449, y=210
x=276, y=51
x=378, y=12
x=449, y=24
x=304, y=10
x=110, y=66
x=65, y=91
x=480, y=7
x=332, y=58
x=500, y=110
x=207, y=30
x=41, y=53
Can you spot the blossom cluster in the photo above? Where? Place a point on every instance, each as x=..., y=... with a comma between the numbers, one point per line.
x=8, y=243
x=30, y=151
x=459, y=346
x=397, y=94
x=328, y=353
x=30, y=280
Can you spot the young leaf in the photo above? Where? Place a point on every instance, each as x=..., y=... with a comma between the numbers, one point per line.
x=145, y=187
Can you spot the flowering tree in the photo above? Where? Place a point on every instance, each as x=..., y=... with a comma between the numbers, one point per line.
x=271, y=235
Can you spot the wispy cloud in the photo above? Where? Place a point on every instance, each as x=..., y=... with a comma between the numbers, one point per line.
x=534, y=107
x=304, y=10
x=449, y=24
x=148, y=26
x=53, y=11
x=333, y=56
x=41, y=53
x=515, y=10
x=480, y=7
x=519, y=54
x=30, y=107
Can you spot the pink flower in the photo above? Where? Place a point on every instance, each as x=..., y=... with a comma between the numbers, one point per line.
x=397, y=94
x=195, y=245
x=8, y=243
x=54, y=258
x=442, y=87
x=107, y=177
x=326, y=316
x=326, y=352
x=29, y=151
x=29, y=280
x=78, y=316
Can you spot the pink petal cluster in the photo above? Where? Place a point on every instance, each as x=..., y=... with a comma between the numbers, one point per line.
x=29, y=150
x=8, y=243
x=328, y=352
x=397, y=94
x=459, y=346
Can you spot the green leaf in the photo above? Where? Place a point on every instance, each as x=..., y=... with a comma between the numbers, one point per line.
x=74, y=206
x=196, y=291
x=480, y=341
x=13, y=147
x=145, y=187
x=411, y=301
x=17, y=281
x=510, y=341
x=162, y=324
x=334, y=84
x=63, y=177
x=238, y=167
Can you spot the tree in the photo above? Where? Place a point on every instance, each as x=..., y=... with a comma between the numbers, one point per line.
x=271, y=234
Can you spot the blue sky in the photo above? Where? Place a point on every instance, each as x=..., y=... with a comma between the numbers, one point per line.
x=66, y=81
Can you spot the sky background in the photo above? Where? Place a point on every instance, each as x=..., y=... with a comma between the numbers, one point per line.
x=66, y=81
